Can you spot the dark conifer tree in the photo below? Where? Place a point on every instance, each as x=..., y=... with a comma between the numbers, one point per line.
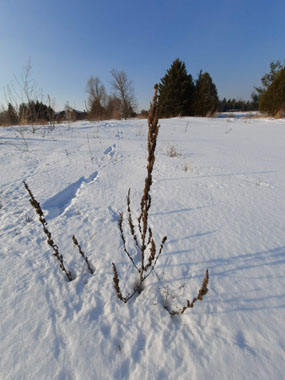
x=97, y=111
x=205, y=95
x=176, y=91
x=273, y=99
x=268, y=78
x=33, y=112
x=12, y=115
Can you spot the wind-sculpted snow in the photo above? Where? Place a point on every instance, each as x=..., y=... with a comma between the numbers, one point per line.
x=221, y=203
x=57, y=204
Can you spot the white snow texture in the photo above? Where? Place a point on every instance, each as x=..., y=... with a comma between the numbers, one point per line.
x=221, y=203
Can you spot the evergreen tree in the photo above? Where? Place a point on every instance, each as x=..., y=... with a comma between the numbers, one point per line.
x=273, y=99
x=12, y=115
x=176, y=91
x=205, y=96
x=34, y=112
x=96, y=111
x=255, y=101
x=267, y=80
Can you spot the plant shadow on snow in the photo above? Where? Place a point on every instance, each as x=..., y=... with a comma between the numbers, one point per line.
x=31, y=139
x=177, y=211
x=200, y=234
x=232, y=266
x=241, y=342
x=218, y=175
x=248, y=261
x=253, y=299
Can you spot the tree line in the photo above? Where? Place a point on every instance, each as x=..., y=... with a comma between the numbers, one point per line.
x=179, y=95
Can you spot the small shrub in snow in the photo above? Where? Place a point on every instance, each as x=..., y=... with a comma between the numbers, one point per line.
x=171, y=151
x=187, y=166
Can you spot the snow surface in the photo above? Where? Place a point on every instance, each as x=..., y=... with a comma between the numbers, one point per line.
x=220, y=202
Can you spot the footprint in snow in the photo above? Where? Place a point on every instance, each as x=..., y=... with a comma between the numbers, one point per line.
x=110, y=151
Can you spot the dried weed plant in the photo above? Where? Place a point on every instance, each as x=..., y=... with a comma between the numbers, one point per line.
x=202, y=292
x=187, y=166
x=142, y=233
x=36, y=205
x=172, y=152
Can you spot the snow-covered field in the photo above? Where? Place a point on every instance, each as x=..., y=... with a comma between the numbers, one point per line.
x=221, y=203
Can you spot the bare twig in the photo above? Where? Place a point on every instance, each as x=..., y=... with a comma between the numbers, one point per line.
x=124, y=240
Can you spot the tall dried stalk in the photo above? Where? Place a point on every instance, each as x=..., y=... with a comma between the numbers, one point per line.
x=142, y=233
x=36, y=205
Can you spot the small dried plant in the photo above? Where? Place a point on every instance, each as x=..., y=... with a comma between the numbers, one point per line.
x=142, y=233
x=89, y=148
x=171, y=151
x=20, y=131
x=36, y=205
x=202, y=292
x=85, y=258
x=187, y=166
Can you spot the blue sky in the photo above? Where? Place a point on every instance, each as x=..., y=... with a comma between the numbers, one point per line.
x=68, y=41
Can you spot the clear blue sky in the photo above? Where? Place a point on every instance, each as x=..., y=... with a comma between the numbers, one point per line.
x=68, y=41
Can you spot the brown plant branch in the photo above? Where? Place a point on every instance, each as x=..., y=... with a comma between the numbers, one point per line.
x=157, y=257
x=36, y=205
x=117, y=286
x=202, y=292
x=130, y=219
x=124, y=240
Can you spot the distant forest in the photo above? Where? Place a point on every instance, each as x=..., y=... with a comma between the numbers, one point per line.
x=179, y=95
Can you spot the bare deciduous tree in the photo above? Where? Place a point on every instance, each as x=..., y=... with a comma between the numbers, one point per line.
x=24, y=89
x=124, y=91
x=25, y=96
x=97, y=97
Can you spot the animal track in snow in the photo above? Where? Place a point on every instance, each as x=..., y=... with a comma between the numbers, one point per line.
x=110, y=151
